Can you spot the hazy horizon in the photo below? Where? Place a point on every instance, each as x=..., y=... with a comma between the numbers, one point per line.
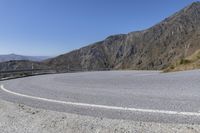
x=51, y=28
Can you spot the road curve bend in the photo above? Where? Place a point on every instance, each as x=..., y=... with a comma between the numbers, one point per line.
x=136, y=95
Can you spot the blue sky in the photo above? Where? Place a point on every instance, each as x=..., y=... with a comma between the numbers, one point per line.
x=53, y=27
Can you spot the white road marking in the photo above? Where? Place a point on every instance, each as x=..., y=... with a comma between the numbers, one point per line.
x=103, y=106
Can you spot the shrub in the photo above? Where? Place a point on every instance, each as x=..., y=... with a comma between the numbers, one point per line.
x=172, y=67
x=184, y=61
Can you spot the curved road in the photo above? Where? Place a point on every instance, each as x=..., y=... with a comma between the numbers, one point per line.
x=136, y=95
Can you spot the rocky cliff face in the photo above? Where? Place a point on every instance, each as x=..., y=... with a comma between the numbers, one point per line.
x=155, y=48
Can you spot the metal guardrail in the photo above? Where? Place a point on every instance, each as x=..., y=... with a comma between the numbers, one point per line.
x=23, y=70
x=10, y=74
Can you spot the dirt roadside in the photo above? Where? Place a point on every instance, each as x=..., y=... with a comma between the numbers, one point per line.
x=15, y=118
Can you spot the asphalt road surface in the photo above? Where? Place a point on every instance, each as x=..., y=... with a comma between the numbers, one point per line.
x=135, y=95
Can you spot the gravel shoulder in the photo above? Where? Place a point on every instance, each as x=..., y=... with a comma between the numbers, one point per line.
x=18, y=118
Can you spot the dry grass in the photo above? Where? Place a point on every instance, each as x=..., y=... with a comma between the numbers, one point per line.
x=188, y=63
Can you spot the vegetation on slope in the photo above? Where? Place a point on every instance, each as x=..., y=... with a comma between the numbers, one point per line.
x=188, y=63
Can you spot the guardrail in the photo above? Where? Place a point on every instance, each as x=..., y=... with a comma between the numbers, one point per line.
x=10, y=74
x=23, y=70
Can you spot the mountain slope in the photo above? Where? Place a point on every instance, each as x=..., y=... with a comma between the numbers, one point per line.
x=188, y=63
x=155, y=48
x=4, y=58
x=21, y=65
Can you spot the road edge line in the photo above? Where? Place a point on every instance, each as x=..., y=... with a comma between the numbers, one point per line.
x=102, y=106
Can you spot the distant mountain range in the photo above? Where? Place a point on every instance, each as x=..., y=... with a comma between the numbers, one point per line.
x=169, y=44
x=10, y=57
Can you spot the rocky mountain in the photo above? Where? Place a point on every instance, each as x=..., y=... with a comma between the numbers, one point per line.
x=176, y=37
x=9, y=57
